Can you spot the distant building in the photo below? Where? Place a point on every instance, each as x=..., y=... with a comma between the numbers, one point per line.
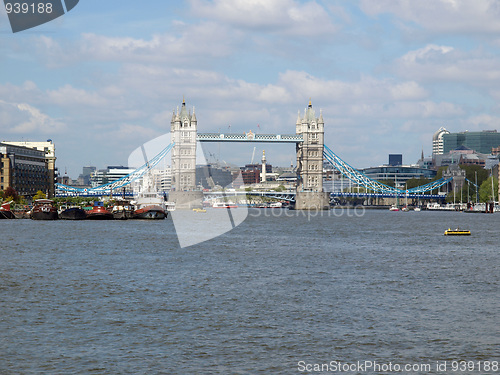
x=437, y=141
x=482, y=142
x=395, y=160
x=163, y=179
x=25, y=169
x=463, y=155
x=86, y=173
x=209, y=176
x=251, y=173
x=399, y=174
x=110, y=174
x=49, y=151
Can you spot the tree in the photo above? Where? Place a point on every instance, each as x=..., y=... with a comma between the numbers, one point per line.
x=470, y=173
x=439, y=173
x=11, y=194
x=485, y=190
x=39, y=195
x=387, y=182
x=416, y=182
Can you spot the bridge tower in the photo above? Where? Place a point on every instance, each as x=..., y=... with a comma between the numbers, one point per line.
x=183, y=127
x=310, y=195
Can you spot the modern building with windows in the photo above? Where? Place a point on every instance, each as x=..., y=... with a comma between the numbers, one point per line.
x=49, y=151
x=437, y=141
x=395, y=159
x=110, y=174
x=399, y=174
x=24, y=169
x=482, y=142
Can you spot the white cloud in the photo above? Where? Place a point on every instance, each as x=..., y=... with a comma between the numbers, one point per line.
x=484, y=122
x=206, y=41
x=279, y=16
x=434, y=63
x=367, y=90
x=441, y=16
x=22, y=118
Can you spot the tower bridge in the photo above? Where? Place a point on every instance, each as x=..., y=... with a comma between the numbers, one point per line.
x=308, y=140
x=309, y=148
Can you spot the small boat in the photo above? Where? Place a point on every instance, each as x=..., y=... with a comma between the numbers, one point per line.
x=394, y=208
x=5, y=212
x=405, y=209
x=417, y=209
x=99, y=212
x=224, y=205
x=201, y=210
x=122, y=210
x=73, y=213
x=44, y=209
x=150, y=206
x=456, y=232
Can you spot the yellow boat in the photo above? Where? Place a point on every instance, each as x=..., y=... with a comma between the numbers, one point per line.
x=199, y=210
x=456, y=232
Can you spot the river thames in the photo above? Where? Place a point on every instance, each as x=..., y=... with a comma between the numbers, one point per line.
x=279, y=294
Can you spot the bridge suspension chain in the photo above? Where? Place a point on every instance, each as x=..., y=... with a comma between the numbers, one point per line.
x=124, y=181
x=361, y=179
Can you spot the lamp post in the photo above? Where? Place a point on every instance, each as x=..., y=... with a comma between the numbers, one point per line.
x=477, y=192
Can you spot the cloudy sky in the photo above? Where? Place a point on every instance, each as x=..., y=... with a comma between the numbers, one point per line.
x=104, y=78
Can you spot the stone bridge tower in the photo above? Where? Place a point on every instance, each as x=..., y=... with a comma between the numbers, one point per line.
x=183, y=127
x=310, y=195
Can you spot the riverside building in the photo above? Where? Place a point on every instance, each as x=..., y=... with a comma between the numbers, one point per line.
x=25, y=169
x=49, y=151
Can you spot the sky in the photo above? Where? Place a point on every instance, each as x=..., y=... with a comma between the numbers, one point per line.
x=386, y=74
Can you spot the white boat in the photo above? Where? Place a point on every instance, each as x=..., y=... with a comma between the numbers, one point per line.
x=417, y=209
x=394, y=208
x=224, y=205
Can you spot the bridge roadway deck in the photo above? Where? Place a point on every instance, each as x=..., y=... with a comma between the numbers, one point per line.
x=249, y=137
x=276, y=194
x=285, y=195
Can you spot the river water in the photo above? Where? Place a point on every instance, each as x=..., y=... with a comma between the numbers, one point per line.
x=282, y=293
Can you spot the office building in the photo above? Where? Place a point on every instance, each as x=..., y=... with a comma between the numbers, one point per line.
x=395, y=160
x=110, y=174
x=437, y=141
x=49, y=151
x=481, y=142
x=24, y=169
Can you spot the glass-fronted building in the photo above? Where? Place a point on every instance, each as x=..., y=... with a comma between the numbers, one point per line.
x=400, y=174
x=482, y=142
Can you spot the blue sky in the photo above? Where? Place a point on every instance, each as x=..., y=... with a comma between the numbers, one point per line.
x=104, y=78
